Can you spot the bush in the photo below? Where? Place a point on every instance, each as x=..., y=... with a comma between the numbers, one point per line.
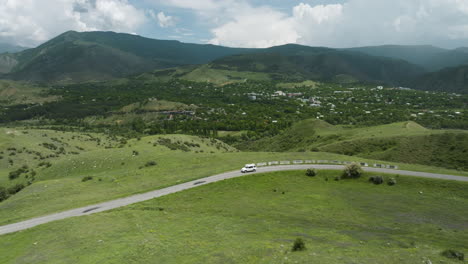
x=3, y=194
x=15, y=189
x=376, y=179
x=299, y=245
x=391, y=182
x=87, y=178
x=17, y=173
x=352, y=171
x=453, y=254
x=151, y=163
x=311, y=172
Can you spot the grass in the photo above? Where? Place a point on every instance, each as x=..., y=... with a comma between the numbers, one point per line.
x=308, y=83
x=405, y=142
x=205, y=73
x=12, y=93
x=155, y=105
x=256, y=219
x=119, y=172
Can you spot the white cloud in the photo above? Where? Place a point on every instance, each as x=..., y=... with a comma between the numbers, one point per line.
x=259, y=27
x=354, y=23
x=30, y=22
x=163, y=20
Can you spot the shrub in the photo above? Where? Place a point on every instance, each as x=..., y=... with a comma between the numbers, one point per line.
x=391, y=182
x=3, y=194
x=16, y=189
x=15, y=174
x=151, y=163
x=299, y=245
x=87, y=178
x=352, y=171
x=376, y=179
x=453, y=254
x=311, y=172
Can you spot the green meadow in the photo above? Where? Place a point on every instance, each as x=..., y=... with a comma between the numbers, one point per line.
x=120, y=168
x=256, y=218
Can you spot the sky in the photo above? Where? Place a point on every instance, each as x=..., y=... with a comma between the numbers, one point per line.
x=244, y=23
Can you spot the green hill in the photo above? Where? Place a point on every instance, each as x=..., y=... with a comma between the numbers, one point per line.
x=297, y=63
x=430, y=57
x=96, y=56
x=75, y=57
x=405, y=142
x=321, y=64
x=453, y=79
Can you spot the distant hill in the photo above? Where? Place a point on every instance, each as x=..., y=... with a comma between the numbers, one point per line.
x=96, y=56
x=295, y=63
x=462, y=49
x=5, y=47
x=453, y=79
x=430, y=57
x=75, y=57
x=88, y=56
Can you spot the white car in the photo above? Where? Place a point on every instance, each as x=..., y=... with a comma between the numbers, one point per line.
x=249, y=168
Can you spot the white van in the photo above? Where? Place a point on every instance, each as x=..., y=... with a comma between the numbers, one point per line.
x=249, y=168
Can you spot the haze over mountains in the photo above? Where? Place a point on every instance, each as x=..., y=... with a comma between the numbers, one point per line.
x=6, y=47
x=98, y=56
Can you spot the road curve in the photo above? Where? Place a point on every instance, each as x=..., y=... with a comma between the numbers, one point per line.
x=105, y=206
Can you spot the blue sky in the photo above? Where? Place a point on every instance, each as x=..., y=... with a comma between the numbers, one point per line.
x=244, y=23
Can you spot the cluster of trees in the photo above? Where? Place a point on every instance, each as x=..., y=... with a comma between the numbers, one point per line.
x=229, y=108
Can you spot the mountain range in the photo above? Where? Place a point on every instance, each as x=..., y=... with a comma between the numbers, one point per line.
x=96, y=56
x=5, y=47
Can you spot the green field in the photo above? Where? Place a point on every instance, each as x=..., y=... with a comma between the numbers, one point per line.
x=118, y=169
x=255, y=219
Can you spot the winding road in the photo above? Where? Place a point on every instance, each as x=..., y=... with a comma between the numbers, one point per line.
x=105, y=206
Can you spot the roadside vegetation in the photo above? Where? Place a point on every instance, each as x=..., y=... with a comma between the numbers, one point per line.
x=259, y=218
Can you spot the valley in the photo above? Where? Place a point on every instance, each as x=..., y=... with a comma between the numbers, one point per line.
x=90, y=117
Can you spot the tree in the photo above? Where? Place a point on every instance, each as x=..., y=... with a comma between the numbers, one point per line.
x=311, y=172
x=352, y=171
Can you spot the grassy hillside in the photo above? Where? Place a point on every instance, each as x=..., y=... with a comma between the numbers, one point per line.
x=118, y=167
x=405, y=142
x=204, y=73
x=453, y=80
x=255, y=219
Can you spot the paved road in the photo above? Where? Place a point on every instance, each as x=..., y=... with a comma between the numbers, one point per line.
x=92, y=209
